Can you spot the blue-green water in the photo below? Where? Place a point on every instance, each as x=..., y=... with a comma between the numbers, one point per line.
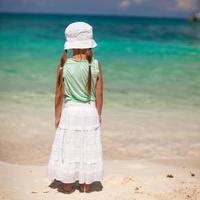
x=145, y=61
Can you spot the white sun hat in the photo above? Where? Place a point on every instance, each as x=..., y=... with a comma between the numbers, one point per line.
x=79, y=35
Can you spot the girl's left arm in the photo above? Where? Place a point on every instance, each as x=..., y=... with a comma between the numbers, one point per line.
x=59, y=91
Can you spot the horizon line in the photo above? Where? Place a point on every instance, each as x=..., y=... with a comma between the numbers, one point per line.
x=93, y=14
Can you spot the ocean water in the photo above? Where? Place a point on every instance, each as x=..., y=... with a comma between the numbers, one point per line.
x=146, y=62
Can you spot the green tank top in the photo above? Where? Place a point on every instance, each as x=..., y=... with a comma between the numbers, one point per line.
x=75, y=76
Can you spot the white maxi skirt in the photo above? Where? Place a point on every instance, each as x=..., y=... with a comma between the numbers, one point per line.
x=76, y=153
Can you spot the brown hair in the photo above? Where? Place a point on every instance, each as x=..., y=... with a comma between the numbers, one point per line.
x=60, y=70
x=89, y=55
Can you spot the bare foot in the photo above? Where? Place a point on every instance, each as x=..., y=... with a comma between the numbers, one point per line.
x=67, y=185
x=81, y=188
x=87, y=188
x=66, y=188
x=84, y=187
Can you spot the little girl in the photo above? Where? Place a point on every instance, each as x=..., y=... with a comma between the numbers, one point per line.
x=76, y=153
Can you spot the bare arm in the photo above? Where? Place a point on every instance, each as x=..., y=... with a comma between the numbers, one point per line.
x=99, y=92
x=59, y=91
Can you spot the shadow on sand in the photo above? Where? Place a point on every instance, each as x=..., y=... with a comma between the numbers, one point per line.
x=93, y=187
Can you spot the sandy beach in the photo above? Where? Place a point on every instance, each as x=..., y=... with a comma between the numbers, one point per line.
x=141, y=148
x=124, y=180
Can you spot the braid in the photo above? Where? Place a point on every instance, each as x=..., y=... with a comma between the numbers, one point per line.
x=60, y=71
x=89, y=81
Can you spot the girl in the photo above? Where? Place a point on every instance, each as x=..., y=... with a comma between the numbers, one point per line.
x=76, y=153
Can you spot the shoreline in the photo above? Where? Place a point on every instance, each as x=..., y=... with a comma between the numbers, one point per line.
x=126, y=133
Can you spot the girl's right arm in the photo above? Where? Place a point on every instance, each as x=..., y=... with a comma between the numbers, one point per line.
x=99, y=93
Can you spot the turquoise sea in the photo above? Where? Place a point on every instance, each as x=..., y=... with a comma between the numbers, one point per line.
x=146, y=62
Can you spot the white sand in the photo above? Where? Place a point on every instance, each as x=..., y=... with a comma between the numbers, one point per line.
x=123, y=180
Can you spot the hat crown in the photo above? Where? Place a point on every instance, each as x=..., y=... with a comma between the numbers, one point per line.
x=78, y=31
x=79, y=35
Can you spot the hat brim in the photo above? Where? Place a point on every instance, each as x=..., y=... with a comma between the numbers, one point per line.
x=80, y=44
